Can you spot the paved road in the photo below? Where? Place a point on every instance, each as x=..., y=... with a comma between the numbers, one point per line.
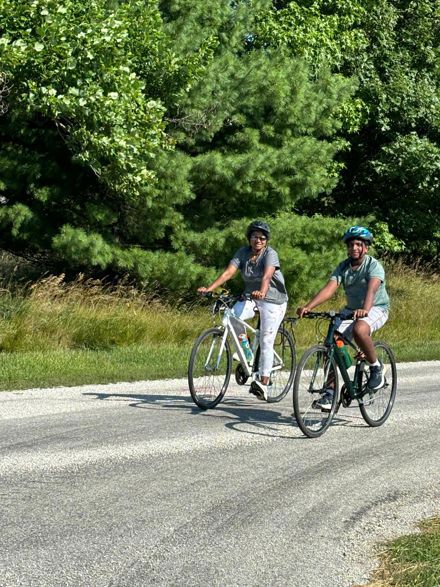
x=131, y=485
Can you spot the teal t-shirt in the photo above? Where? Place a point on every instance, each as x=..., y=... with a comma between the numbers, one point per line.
x=355, y=282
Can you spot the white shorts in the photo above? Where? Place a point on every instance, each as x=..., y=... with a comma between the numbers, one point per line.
x=376, y=318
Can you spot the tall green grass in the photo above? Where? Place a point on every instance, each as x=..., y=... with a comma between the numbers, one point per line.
x=54, y=315
x=414, y=325
x=57, y=332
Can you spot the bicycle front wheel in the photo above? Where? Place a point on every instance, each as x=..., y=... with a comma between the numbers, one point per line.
x=209, y=368
x=314, y=375
x=376, y=406
x=284, y=363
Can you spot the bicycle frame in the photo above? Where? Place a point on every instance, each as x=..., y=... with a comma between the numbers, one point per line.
x=230, y=331
x=353, y=386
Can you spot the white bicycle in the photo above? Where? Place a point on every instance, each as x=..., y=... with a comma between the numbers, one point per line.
x=211, y=359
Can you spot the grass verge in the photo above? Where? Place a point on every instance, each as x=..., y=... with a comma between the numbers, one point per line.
x=58, y=333
x=411, y=561
x=81, y=367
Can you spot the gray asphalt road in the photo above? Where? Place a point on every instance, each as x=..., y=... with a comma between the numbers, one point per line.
x=131, y=485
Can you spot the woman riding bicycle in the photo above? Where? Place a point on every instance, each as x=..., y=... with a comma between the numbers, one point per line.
x=260, y=268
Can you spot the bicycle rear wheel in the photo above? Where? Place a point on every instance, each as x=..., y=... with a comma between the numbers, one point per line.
x=376, y=406
x=315, y=374
x=208, y=370
x=283, y=372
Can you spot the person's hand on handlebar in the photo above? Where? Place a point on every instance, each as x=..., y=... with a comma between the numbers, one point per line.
x=360, y=313
x=257, y=295
x=302, y=310
x=203, y=290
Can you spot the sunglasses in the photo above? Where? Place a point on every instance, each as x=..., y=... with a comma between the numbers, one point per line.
x=259, y=238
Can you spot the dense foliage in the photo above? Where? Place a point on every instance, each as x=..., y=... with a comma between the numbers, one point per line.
x=140, y=136
x=392, y=48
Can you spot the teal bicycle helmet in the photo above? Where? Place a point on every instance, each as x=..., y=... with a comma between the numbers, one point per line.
x=358, y=232
x=258, y=225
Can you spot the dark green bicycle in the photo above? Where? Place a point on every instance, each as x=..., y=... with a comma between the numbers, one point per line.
x=319, y=370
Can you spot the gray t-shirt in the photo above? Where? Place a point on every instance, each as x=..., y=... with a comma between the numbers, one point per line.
x=355, y=282
x=252, y=273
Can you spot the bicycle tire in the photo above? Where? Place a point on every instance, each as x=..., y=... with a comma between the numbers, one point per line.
x=376, y=406
x=281, y=379
x=206, y=384
x=310, y=383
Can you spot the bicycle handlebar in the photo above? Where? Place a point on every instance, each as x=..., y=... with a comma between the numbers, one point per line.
x=225, y=297
x=330, y=315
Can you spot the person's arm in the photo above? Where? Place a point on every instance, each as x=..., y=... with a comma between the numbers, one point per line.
x=322, y=296
x=261, y=293
x=373, y=286
x=227, y=274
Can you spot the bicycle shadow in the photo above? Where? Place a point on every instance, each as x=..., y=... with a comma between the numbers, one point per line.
x=237, y=413
x=139, y=400
x=260, y=421
x=349, y=417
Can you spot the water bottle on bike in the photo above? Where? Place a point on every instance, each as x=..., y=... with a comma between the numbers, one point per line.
x=244, y=342
x=345, y=354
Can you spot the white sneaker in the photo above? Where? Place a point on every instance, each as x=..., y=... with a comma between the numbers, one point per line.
x=235, y=357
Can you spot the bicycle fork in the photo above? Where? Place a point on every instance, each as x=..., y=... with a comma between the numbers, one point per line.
x=212, y=351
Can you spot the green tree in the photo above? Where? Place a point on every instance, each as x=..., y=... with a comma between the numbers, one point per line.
x=392, y=122
x=130, y=124
x=83, y=142
x=259, y=127
x=392, y=167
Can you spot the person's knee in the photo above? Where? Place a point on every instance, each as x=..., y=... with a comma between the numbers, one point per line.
x=361, y=329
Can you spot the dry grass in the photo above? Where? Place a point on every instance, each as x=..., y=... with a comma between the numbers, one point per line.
x=87, y=314
x=52, y=314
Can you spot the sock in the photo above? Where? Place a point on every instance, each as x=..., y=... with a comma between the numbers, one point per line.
x=376, y=364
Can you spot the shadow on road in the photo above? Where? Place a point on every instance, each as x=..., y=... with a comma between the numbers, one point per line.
x=236, y=413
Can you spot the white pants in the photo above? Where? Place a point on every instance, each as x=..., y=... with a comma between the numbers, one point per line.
x=271, y=316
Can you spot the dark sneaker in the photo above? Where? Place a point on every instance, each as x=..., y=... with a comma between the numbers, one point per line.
x=258, y=389
x=376, y=379
x=325, y=401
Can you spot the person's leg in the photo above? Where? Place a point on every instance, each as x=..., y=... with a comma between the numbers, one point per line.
x=245, y=311
x=362, y=331
x=326, y=400
x=364, y=328
x=271, y=316
x=362, y=336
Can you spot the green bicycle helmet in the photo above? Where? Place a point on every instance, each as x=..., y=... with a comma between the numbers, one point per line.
x=358, y=232
x=258, y=225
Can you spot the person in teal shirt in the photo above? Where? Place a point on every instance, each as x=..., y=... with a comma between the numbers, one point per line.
x=363, y=280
